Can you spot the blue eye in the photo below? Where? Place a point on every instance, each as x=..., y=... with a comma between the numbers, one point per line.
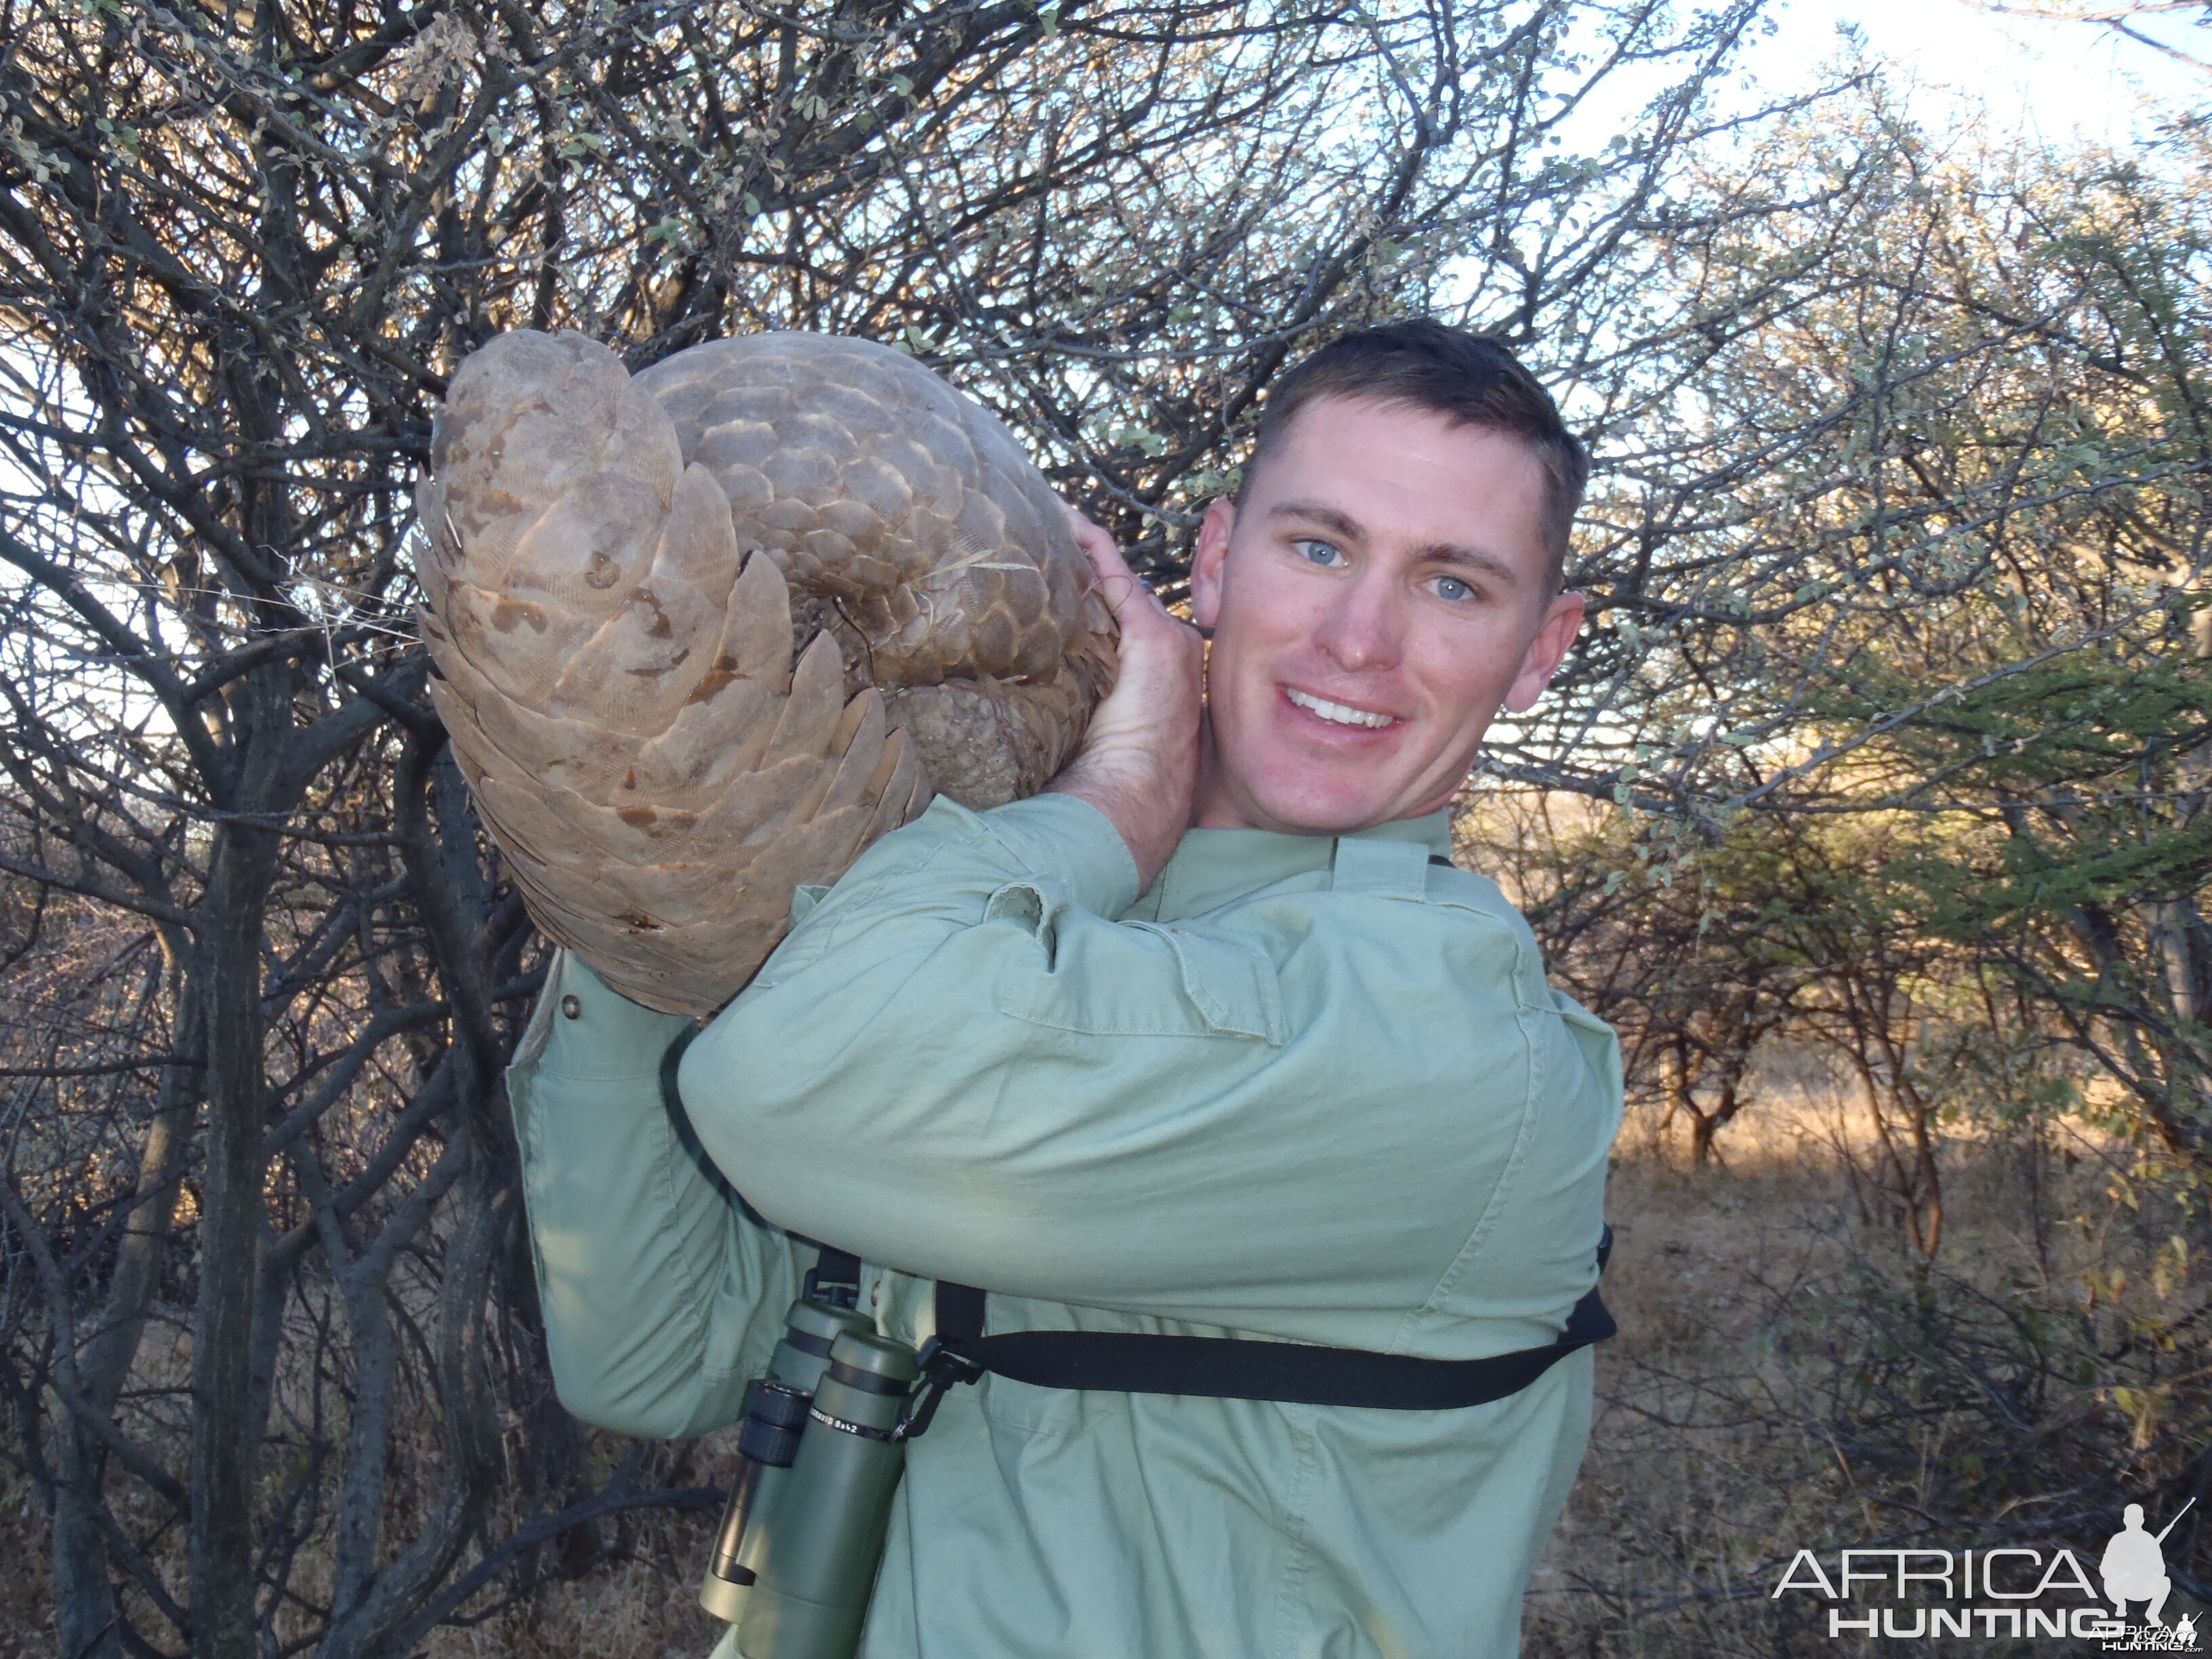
x=1320, y=553
x=1452, y=588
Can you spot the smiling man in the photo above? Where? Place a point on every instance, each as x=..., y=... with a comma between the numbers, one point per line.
x=1390, y=579
x=1209, y=1040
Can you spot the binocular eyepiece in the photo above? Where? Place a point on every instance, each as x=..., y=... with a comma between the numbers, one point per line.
x=819, y=1457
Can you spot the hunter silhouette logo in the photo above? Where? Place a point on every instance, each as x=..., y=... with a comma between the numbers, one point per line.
x=2135, y=1566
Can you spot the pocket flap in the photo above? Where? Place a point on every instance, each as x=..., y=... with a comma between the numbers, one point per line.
x=1230, y=980
x=1135, y=978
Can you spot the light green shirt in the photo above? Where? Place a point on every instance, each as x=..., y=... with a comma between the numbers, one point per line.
x=1304, y=1088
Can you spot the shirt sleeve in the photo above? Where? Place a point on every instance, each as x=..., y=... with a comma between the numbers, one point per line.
x=959, y=1065
x=660, y=1296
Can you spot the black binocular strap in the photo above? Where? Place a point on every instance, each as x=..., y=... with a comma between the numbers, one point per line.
x=1229, y=1368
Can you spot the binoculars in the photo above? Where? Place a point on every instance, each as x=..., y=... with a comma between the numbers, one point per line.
x=819, y=1457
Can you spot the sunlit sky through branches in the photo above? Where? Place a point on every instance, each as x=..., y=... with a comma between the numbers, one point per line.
x=1957, y=69
x=2041, y=79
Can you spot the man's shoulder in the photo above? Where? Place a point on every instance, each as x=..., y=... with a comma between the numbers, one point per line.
x=1455, y=897
x=1454, y=887
x=1469, y=902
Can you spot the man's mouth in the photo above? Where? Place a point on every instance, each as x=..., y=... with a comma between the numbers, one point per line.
x=1338, y=713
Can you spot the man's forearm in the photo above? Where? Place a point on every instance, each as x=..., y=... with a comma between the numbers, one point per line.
x=1129, y=796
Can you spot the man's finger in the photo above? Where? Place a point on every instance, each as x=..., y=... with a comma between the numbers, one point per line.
x=1117, y=583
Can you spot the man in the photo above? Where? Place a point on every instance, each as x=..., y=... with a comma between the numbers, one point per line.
x=1207, y=1039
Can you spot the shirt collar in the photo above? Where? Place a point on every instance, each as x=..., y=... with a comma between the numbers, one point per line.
x=1213, y=867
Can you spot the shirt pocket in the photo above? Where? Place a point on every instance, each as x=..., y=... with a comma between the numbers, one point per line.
x=1101, y=978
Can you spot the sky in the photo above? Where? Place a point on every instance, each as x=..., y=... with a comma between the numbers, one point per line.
x=2042, y=79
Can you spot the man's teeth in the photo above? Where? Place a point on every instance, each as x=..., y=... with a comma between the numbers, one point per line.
x=1338, y=712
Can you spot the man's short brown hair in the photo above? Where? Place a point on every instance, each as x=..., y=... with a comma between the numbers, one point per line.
x=1468, y=378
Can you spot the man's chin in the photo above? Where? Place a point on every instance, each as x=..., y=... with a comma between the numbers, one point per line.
x=1293, y=812
x=1292, y=797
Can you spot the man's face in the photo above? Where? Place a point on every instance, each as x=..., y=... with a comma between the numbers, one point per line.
x=1377, y=601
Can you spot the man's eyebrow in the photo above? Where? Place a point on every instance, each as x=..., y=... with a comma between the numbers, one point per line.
x=1473, y=558
x=1329, y=517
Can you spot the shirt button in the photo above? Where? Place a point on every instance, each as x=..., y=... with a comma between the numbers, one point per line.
x=572, y=1007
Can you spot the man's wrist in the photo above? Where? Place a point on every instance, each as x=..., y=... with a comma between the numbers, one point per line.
x=1138, y=802
x=1067, y=838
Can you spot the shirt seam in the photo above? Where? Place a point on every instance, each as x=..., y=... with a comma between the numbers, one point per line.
x=699, y=1297
x=563, y=1075
x=1125, y=872
x=1298, y=1557
x=1261, y=1022
x=1102, y=1029
x=525, y=1143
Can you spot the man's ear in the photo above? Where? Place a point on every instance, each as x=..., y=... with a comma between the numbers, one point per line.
x=1208, y=559
x=1562, y=620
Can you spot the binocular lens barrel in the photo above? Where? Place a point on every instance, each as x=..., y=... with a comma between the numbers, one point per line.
x=774, y=1415
x=819, y=1546
x=766, y=1444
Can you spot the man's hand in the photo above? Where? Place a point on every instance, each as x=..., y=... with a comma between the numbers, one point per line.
x=1139, y=762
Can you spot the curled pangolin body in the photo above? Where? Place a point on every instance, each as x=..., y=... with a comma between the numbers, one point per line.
x=706, y=633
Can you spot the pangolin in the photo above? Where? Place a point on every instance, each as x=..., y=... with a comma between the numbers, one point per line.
x=703, y=634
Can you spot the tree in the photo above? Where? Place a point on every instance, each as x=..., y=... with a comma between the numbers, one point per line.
x=2137, y=22
x=1924, y=543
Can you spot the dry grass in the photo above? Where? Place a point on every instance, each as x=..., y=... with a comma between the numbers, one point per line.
x=1705, y=1472
x=645, y=1607
x=1683, y=1493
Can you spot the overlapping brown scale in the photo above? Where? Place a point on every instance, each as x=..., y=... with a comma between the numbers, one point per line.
x=911, y=514
x=620, y=572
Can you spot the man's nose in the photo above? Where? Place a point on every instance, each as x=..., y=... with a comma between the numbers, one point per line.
x=1365, y=628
